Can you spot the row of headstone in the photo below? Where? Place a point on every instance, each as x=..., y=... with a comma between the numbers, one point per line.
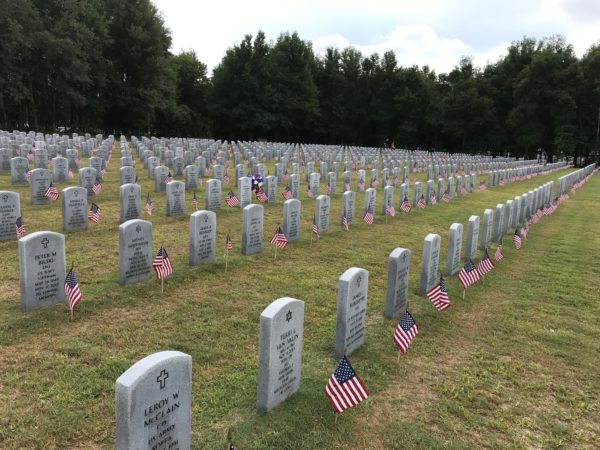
x=567, y=181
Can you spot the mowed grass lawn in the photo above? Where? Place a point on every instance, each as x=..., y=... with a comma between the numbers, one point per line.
x=514, y=364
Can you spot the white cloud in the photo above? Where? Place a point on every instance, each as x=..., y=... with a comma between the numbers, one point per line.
x=416, y=45
x=432, y=32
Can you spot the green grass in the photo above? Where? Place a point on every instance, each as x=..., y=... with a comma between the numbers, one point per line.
x=512, y=365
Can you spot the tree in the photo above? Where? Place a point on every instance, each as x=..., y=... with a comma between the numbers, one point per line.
x=544, y=98
x=467, y=113
x=140, y=81
x=295, y=100
x=589, y=103
x=190, y=103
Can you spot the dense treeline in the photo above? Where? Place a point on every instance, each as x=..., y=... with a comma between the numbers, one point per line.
x=105, y=65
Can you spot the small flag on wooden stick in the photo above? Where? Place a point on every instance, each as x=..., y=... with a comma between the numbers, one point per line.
x=72, y=290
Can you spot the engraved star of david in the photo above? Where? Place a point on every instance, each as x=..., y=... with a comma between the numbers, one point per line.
x=288, y=316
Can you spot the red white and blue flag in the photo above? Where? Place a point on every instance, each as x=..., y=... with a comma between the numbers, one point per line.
x=405, y=332
x=94, y=213
x=72, y=290
x=345, y=389
x=439, y=296
x=468, y=275
x=279, y=239
x=486, y=264
x=51, y=192
x=162, y=264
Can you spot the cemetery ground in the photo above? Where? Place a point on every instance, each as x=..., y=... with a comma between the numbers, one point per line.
x=514, y=364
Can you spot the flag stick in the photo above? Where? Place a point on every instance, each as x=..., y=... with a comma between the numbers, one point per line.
x=398, y=360
x=336, y=416
x=275, y=252
x=226, y=255
x=162, y=285
x=463, y=296
x=311, y=237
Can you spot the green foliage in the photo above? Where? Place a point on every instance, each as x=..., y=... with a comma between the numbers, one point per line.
x=105, y=65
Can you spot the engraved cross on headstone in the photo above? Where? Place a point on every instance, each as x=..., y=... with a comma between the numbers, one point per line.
x=45, y=242
x=358, y=280
x=162, y=378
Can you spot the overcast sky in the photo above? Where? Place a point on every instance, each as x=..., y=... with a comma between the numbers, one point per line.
x=432, y=32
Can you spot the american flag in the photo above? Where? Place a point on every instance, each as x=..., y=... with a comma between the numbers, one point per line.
x=225, y=179
x=540, y=213
x=94, y=213
x=168, y=178
x=162, y=264
x=421, y=203
x=70, y=174
x=547, y=210
x=30, y=156
x=315, y=228
x=261, y=196
x=328, y=189
x=486, y=264
x=439, y=296
x=309, y=192
x=149, y=205
x=498, y=255
x=463, y=190
x=390, y=210
x=102, y=172
x=517, y=239
x=502, y=182
x=28, y=174
x=51, y=192
x=406, y=206
x=287, y=193
x=525, y=230
x=468, y=274
x=396, y=181
x=208, y=172
x=195, y=201
x=368, y=216
x=346, y=187
x=97, y=187
x=405, y=332
x=72, y=290
x=232, y=200
x=345, y=389
x=286, y=176
x=228, y=244
x=445, y=197
x=279, y=239
x=20, y=227
x=361, y=184
x=344, y=221
x=482, y=186
x=433, y=199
